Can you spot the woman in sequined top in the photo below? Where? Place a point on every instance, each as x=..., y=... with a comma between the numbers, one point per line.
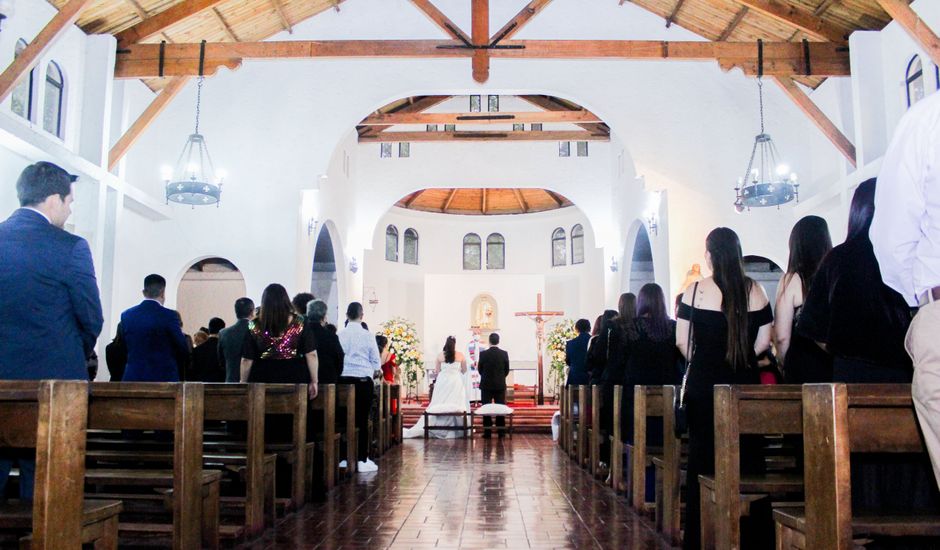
x=277, y=349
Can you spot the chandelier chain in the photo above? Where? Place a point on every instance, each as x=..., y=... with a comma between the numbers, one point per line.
x=760, y=94
x=199, y=82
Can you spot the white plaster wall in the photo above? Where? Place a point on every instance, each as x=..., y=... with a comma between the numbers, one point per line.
x=202, y=296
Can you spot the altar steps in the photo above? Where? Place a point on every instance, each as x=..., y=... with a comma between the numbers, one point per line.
x=526, y=417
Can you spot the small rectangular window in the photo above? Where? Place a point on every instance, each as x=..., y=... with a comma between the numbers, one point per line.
x=582, y=148
x=385, y=150
x=564, y=148
x=537, y=127
x=492, y=104
x=432, y=127
x=474, y=104
x=404, y=149
x=518, y=127
x=450, y=127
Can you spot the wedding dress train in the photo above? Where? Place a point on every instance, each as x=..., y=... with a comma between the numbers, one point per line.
x=450, y=396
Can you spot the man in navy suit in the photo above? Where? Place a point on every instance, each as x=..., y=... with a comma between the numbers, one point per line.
x=576, y=354
x=50, y=311
x=153, y=337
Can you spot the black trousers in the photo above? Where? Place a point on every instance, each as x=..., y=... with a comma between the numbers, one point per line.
x=492, y=396
x=365, y=393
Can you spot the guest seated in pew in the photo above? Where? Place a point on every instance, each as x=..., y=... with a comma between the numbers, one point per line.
x=277, y=349
x=731, y=324
x=232, y=339
x=801, y=360
x=576, y=354
x=154, y=337
x=49, y=273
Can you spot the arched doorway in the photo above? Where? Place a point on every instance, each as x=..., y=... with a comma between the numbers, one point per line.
x=323, y=282
x=641, y=264
x=209, y=289
x=764, y=271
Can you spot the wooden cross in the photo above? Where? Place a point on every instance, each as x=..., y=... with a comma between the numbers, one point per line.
x=539, y=317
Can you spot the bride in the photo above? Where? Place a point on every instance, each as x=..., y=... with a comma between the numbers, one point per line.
x=450, y=395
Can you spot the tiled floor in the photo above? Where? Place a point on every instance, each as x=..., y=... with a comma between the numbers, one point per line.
x=519, y=493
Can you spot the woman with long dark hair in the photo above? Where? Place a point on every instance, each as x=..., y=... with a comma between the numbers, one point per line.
x=731, y=324
x=616, y=341
x=277, y=349
x=450, y=393
x=801, y=359
x=597, y=356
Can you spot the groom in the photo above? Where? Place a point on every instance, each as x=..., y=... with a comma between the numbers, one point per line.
x=494, y=368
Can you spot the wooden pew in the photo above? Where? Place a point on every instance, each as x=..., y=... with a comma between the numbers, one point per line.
x=382, y=427
x=51, y=416
x=647, y=403
x=583, y=423
x=172, y=407
x=669, y=474
x=328, y=438
x=594, y=432
x=397, y=426
x=742, y=410
x=838, y=420
x=291, y=399
x=346, y=398
x=616, y=454
x=563, y=419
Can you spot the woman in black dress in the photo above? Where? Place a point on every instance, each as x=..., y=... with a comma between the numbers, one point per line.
x=597, y=356
x=277, y=348
x=616, y=342
x=802, y=360
x=328, y=349
x=731, y=324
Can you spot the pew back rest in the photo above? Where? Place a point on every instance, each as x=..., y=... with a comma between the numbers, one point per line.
x=51, y=416
x=838, y=420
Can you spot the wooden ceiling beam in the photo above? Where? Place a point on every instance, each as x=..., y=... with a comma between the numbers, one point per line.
x=916, y=28
x=550, y=104
x=520, y=20
x=154, y=25
x=521, y=200
x=471, y=136
x=824, y=7
x=442, y=21
x=138, y=9
x=412, y=198
x=136, y=129
x=675, y=12
x=780, y=58
x=225, y=26
x=481, y=118
x=819, y=118
x=414, y=106
x=480, y=35
x=558, y=200
x=450, y=199
x=483, y=203
x=282, y=17
x=47, y=37
x=738, y=17
x=800, y=18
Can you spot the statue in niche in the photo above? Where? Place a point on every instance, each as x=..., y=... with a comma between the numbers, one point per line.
x=483, y=313
x=693, y=275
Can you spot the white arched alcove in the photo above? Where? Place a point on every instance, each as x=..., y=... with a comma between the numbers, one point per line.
x=208, y=288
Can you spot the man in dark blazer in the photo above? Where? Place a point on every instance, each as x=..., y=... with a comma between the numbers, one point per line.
x=232, y=339
x=50, y=310
x=207, y=366
x=494, y=368
x=153, y=337
x=576, y=355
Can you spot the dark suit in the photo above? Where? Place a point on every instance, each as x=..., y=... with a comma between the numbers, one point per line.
x=231, y=342
x=576, y=358
x=154, y=343
x=207, y=366
x=50, y=312
x=494, y=368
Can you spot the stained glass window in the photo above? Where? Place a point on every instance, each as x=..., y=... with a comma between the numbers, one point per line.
x=474, y=104
x=52, y=104
x=915, y=81
x=559, y=246
x=471, y=251
x=582, y=148
x=404, y=149
x=391, y=243
x=385, y=150
x=411, y=246
x=492, y=103
x=21, y=100
x=564, y=148
x=495, y=251
x=577, y=244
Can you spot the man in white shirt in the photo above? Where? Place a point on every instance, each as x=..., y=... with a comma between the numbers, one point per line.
x=906, y=239
x=359, y=364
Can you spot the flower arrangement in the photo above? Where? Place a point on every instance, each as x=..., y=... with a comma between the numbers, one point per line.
x=556, y=339
x=404, y=343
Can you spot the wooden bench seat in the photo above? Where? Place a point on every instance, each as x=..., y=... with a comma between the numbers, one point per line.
x=791, y=527
x=99, y=522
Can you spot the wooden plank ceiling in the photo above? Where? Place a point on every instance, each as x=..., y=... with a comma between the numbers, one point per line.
x=486, y=202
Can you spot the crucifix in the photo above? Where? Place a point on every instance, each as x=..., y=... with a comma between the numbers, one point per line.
x=539, y=317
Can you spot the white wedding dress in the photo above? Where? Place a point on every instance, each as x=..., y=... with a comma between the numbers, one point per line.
x=450, y=396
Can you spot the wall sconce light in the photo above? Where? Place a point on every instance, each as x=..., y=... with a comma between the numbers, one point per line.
x=312, y=224
x=353, y=265
x=6, y=10
x=614, y=266
x=373, y=299
x=652, y=222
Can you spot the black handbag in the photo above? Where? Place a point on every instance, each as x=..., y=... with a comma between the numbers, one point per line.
x=679, y=405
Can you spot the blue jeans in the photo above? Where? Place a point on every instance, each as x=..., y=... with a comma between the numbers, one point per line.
x=27, y=475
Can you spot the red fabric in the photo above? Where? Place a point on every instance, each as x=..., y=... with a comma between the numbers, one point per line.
x=768, y=377
x=388, y=368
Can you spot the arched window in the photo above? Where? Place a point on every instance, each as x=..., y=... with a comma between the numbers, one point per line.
x=391, y=243
x=495, y=251
x=411, y=246
x=21, y=100
x=559, y=245
x=471, y=251
x=52, y=103
x=577, y=244
x=914, y=81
